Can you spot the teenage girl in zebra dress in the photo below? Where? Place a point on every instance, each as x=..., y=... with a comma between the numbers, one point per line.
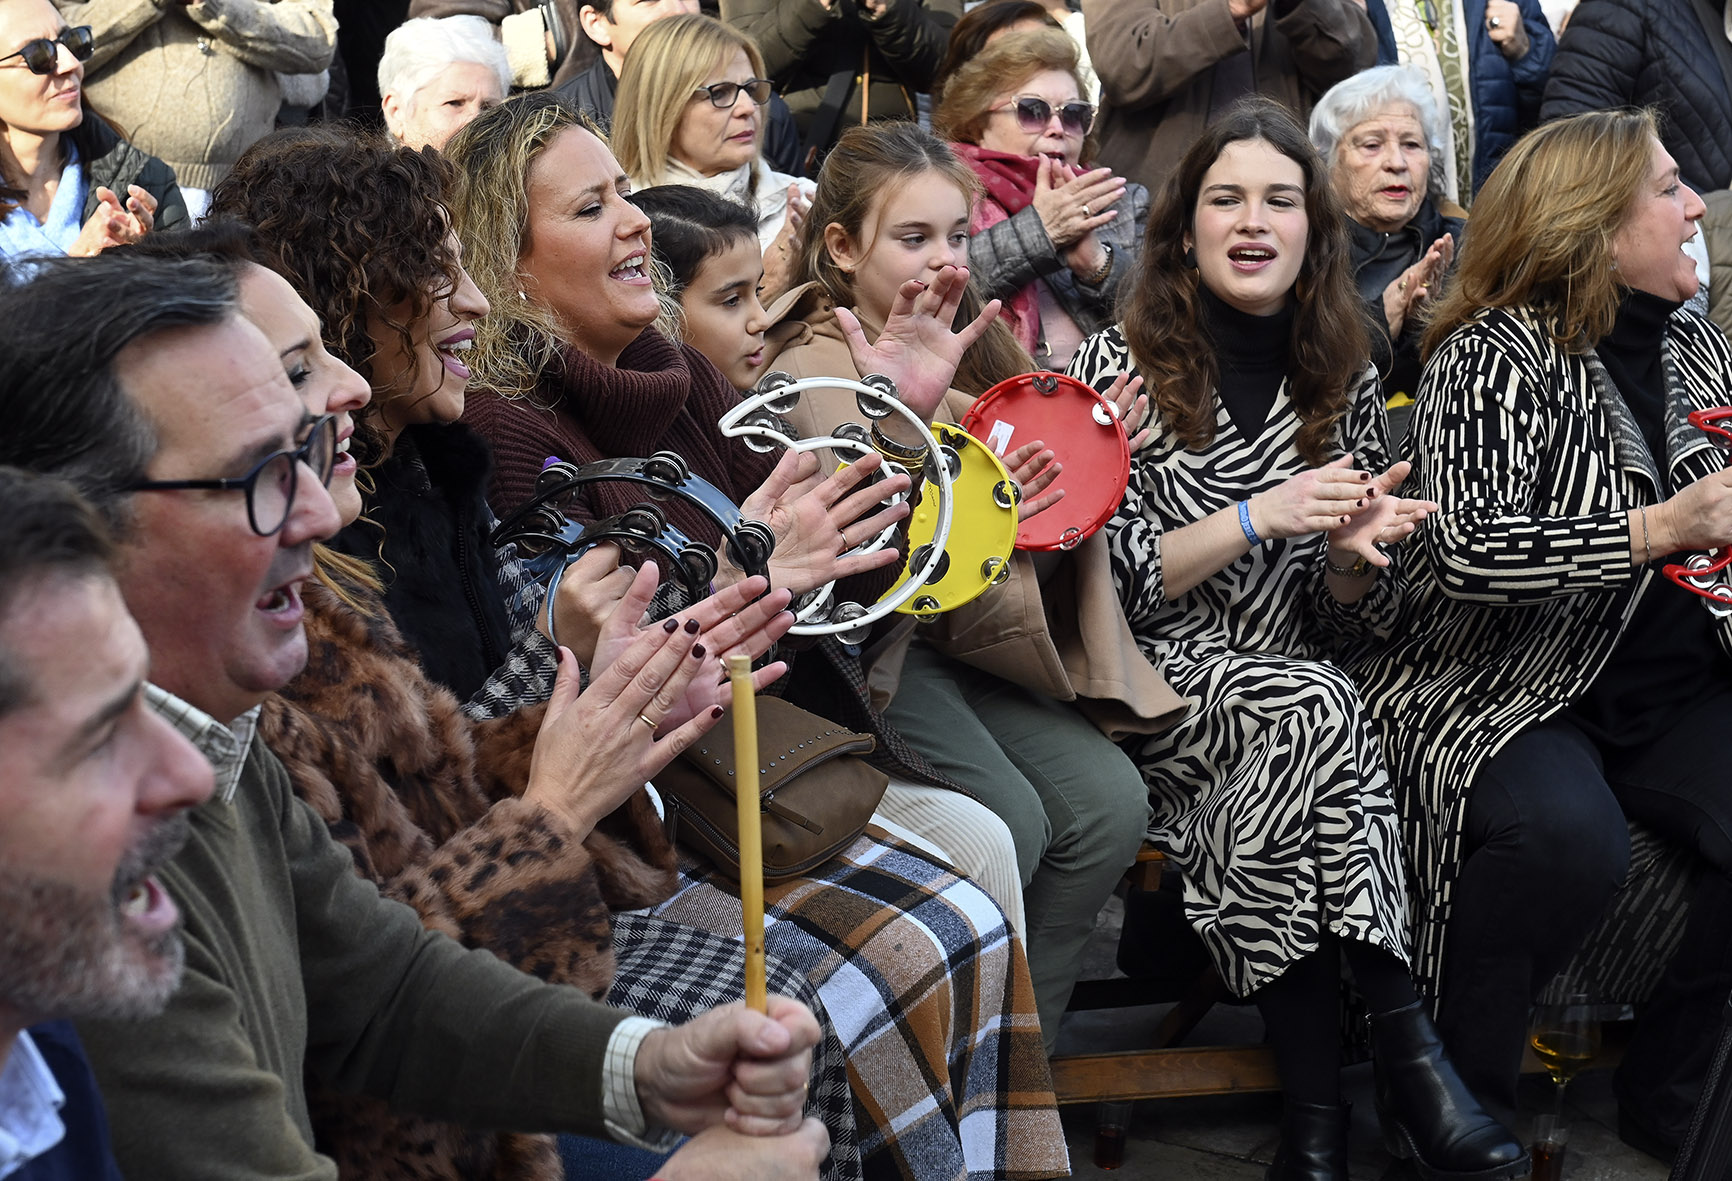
x=1246, y=556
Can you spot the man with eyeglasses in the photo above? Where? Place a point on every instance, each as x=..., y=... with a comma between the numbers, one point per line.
x=138, y=380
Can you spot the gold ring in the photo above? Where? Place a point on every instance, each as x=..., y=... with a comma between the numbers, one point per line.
x=647, y=722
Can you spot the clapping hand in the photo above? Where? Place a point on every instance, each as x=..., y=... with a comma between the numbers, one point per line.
x=816, y=521
x=918, y=349
x=1073, y=204
x=1384, y=518
x=114, y=224
x=782, y=257
x=1404, y=297
x=740, y=618
x=597, y=746
x=1034, y=468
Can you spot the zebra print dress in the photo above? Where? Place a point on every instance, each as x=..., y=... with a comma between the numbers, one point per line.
x=1271, y=795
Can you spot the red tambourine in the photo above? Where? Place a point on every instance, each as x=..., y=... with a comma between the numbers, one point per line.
x=1081, y=428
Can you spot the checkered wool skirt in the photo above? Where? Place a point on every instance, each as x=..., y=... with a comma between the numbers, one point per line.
x=674, y=972
x=930, y=996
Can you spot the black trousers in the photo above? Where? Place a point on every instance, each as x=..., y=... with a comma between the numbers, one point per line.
x=1546, y=846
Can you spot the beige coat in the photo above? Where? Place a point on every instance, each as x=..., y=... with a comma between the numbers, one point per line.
x=1156, y=63
x=1070, y=643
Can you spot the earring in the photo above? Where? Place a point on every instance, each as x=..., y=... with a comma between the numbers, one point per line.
x=1191, y=257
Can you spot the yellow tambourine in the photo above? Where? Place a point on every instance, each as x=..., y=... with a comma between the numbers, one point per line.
x=983, y=526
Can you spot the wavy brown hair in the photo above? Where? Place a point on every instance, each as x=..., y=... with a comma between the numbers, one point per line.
x=877, y=159
x=1163, y=324
x=1543, y=228
x=357, y=226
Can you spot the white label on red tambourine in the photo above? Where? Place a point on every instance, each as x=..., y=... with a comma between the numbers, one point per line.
x=999, y=437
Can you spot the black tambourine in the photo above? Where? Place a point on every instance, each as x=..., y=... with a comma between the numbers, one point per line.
x=549, y=541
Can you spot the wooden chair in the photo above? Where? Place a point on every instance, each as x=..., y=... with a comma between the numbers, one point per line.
x=1620, y=963
x=1164, y=1070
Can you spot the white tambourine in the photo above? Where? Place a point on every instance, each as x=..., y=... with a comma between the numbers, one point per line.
x=758, y=422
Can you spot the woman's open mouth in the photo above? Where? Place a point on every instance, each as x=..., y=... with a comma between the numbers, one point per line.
x=451, y=351
x=632, y=270
x=1250, y=257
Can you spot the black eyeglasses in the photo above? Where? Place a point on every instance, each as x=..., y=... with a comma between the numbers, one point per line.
x=725, y=94
x=1033, y=114
x=43, y=53
x=270, y=486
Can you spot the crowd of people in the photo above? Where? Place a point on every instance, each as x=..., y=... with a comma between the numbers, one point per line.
x=330, y=840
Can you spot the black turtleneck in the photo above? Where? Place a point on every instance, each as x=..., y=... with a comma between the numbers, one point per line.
x=1251, y=354
x=1631, y=355
x=1668, y=655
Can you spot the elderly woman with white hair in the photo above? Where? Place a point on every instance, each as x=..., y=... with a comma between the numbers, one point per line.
x=1382, y=137
x=438, y=73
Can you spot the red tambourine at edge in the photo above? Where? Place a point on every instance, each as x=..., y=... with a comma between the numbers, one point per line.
x=1081, y=428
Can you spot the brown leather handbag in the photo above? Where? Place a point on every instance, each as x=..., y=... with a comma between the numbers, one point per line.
x=816, y=792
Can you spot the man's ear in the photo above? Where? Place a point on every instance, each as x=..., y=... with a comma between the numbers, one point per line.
x=841, y=248
x=396, y=112
x=595, y=26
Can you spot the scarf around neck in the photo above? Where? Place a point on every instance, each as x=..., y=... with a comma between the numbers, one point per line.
x=1007, y=176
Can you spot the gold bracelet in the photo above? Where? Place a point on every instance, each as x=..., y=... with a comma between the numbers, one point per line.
x=1359, y=569
x=1099, y=275
x=1647, y=553
x=901, y=452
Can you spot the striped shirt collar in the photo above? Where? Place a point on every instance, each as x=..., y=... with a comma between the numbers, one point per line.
x=224, y=747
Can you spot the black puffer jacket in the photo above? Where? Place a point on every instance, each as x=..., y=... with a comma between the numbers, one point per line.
x=1672, y=54
x=425, y=531
x=113, y=162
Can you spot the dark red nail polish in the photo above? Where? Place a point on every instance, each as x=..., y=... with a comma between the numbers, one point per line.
x=697, y=651
x=691, y=627
x=716, y=712
x=670, y=625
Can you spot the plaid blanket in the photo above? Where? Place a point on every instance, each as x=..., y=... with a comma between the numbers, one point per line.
x=674, y=973
x=931, y=998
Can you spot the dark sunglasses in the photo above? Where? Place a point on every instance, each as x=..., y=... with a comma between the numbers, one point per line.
x=725, y=94
x=1033, y=114
x=270, y=486
x=43, y=53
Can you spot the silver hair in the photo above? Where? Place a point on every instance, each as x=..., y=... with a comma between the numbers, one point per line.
x=1365, y=96
x=417, y=50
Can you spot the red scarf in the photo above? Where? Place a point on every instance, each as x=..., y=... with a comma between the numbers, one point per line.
x=1009, y=183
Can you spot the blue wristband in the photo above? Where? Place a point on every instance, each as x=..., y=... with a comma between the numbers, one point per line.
x=1245, y=524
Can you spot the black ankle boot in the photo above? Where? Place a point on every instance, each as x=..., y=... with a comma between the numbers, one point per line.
x=1427, y=1112
x=1313, y=1144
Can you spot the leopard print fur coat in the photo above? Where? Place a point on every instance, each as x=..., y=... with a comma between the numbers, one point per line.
x=426, y=800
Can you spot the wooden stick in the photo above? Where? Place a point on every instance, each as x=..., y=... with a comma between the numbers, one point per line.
x=751, y=833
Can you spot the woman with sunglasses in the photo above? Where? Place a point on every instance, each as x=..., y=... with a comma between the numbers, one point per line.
x=1050, y=239
x=691, y=112
x=68, y=183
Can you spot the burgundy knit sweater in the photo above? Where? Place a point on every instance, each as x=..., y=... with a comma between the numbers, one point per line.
x=661, y=396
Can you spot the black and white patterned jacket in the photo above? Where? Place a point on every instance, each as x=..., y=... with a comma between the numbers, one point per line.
x=1520, y=588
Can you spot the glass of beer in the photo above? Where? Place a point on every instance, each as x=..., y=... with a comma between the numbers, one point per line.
x=1566, y=1038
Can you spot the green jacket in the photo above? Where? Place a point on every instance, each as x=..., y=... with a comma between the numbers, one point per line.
x=294, y=962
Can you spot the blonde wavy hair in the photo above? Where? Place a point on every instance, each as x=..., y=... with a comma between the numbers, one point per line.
x=520, y=338
x=667, y=64
x=1543, y=227
x=1005, y=64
